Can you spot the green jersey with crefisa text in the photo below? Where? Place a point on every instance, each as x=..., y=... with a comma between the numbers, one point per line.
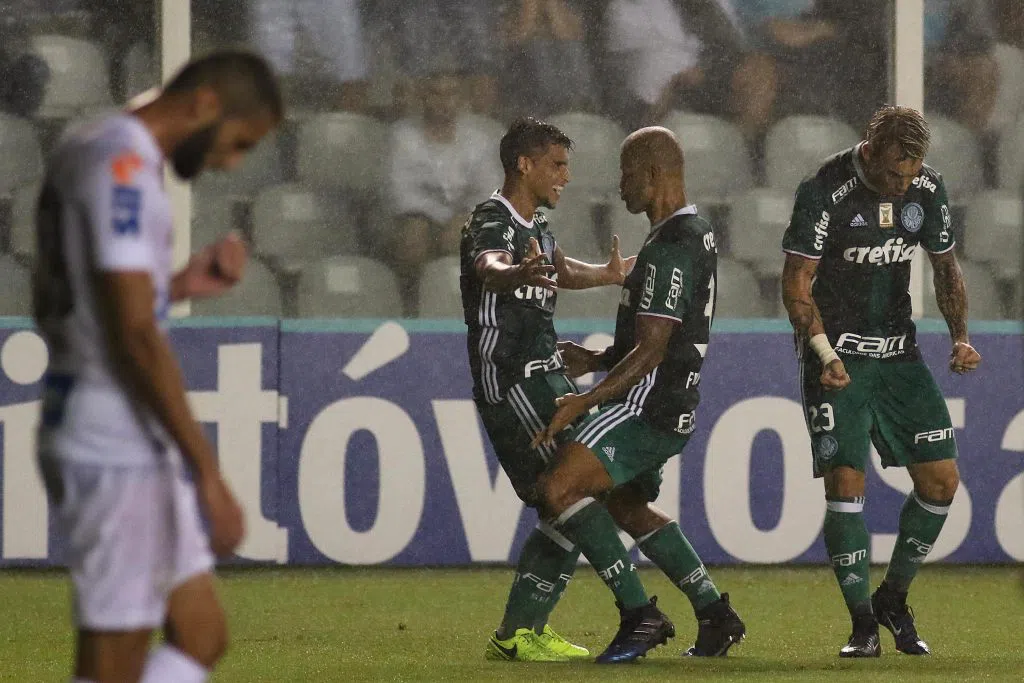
x=864, y=242
x=511, y=335
x=674, y=278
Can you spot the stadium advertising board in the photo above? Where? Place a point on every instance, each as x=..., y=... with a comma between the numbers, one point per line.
x=358, y=443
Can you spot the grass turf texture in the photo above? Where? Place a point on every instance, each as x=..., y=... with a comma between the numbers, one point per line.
x=432, y=625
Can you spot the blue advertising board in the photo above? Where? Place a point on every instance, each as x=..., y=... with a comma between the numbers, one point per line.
x=357, y=442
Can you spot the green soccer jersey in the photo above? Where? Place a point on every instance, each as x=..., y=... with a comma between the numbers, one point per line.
x=674, y=278
x=511, y=334
x=864, y=242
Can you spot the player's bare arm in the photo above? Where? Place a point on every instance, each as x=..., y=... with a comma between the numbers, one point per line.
x=147, y=365
x=211, y=271
x=951, y=296
x=797, y=277
x=573, y=274
x=498, y=274
x=652, y=335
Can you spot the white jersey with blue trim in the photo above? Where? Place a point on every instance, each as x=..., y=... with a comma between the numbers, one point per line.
x=103, y=208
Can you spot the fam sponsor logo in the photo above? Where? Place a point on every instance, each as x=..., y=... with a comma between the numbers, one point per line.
x=844, y=190
x=934, y=435
x=893, y=251
x=848, y=559
x=875, y=347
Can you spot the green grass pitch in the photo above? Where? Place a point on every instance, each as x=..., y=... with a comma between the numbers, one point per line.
x=431, y=625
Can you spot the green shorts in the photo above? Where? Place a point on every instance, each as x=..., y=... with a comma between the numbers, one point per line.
x=511, y=425
x=894, y=405
x=632, y=451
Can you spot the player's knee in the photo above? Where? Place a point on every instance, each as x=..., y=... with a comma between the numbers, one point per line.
x=205, y=640
x=939, y=487
x=557, y=493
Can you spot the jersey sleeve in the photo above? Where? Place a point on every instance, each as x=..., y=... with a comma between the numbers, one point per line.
x=119, y=191
x=809, y=224
x=492, y=234
x=668, y=281
x=937, y=227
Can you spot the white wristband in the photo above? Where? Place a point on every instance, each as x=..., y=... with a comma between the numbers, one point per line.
x=819, y=344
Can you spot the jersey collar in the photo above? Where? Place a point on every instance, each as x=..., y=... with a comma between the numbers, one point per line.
x=689, y=209
x=859, y=168
x=512, y=210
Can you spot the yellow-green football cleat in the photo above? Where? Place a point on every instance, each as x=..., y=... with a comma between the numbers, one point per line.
x=524, y=646
x=557, y=643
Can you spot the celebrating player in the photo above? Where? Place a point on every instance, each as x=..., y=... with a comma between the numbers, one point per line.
x=647, y=403
x=857, y=222
x=126, y=465
x=511, y=270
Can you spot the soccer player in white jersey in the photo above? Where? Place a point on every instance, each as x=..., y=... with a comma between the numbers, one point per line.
x=127, y=467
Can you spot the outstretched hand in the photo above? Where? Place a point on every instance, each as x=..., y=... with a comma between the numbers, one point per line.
x=535, y=269
x=569, y=407
x=617, y=266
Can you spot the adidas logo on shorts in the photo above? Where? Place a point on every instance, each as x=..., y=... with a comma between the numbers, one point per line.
x=609, y=451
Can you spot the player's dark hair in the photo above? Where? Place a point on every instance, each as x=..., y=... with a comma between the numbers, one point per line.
x=244, y=82
x=526, y=137
x=900, y=126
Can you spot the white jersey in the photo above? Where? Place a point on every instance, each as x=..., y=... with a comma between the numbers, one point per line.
x=103, y=208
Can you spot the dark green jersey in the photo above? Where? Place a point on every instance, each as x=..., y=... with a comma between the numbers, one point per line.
x=511, y=335
x=674, y=278
x=864, y=242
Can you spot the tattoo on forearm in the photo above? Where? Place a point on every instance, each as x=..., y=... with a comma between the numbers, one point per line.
x=803, y=315
x=951, y=295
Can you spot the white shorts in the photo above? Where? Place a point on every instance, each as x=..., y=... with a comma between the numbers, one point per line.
x=132, y=535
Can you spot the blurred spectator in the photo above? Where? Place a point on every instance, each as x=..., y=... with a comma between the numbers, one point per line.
x=441, y=166
x=547, y=58
x=961, y=77
x=685, y=54
x=433, y=34
x=23, y=75
x=318, y=47
x=832, y=58
x=1008, y=17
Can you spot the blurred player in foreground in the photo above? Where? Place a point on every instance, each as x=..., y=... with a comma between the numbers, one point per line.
x=856, y=225
x=126, y=465
x=511, y=270
x=646, y=413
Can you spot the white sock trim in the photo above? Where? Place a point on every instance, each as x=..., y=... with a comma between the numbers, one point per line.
x=844, y=506
x=553, y=533
x=934, y=509
x=167, y=664
x=646, y=536
x=574, y=508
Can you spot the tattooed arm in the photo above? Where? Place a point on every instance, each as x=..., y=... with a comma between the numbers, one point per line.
x=797, y=275
x=951, y=295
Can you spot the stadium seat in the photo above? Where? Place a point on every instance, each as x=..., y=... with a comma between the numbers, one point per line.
x=572, y=223
x=257, y=294
x=738, y=293
x=78, y=75
x=292, y=224
x=956, y=154
x=213, y=215
x=348, y=287
x=23, y=220
x=994, y=232
x=259, y=169
x=757, y=221
x=440, y=296
x=598, y=302
x=718, y=163
x=343, y=150
x=1009, y=102
x=1011, y=157
x=21, y=158
x=796, y=145
x=15, y=288
x=139, y=71
x=984, y=301
x=594, y=163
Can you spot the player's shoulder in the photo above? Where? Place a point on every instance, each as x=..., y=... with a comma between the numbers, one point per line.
x=490, y=212
x=119, y=139
x=833, y=178
x=929, y=179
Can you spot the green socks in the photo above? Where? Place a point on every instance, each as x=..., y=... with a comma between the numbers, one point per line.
x=545, y=568
x=672, y=553
x=846, y=539
x=588, y=524
x=920, y=524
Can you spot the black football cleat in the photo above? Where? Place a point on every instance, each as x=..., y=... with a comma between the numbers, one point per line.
x=718, y=629
x=640, y=629
x=894, y=613
x=864, y=641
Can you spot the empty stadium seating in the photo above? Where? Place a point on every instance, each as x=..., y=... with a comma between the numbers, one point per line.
x=257, y=294
x=757, y=221
x=79, y=78
x=594, y=163
x=15, y=288
x=738, y=292
x=21, y=158
x=956, y=154
x=796, y=145
x=343, y=150
x=718, y=163
x=994, y=233
x=440, y=296
x=348, y=287
x=292, y=224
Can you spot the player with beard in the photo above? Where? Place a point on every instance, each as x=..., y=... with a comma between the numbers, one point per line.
x=511, y=269
x=126, y=465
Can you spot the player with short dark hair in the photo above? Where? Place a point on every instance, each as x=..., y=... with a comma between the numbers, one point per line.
x=512, y=268
x=857, y=223
x=647, y=411
x=127, y=467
